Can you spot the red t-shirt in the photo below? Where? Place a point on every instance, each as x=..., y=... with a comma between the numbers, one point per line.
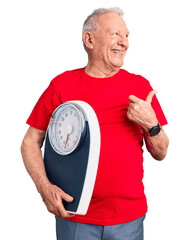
x=118, y=194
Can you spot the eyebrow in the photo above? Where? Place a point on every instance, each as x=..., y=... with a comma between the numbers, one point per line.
x=114, y=29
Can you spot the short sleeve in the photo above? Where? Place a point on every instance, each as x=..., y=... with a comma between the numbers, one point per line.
x=159, y=112
x=45, y=106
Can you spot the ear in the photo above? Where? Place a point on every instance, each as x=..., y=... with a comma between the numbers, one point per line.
x=88, y=39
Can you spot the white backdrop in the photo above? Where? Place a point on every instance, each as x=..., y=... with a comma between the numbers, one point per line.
x=42, y=38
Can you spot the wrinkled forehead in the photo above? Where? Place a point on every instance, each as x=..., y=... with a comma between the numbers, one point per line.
x=111, y=20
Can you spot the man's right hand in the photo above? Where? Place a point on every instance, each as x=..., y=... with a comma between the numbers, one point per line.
x=52, y=197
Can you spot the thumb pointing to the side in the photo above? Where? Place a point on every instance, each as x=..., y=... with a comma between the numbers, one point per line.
x=150, y=96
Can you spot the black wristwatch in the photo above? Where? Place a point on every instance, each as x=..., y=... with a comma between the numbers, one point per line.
x=154, y=130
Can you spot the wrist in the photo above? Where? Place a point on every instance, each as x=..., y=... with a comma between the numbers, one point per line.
x=42, y=183
x=153, y=131
x=146, y=127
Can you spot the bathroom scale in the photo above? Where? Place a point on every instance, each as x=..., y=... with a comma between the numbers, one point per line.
x=71, y=154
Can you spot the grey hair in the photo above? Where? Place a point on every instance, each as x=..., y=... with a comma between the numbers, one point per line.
x=91, y=22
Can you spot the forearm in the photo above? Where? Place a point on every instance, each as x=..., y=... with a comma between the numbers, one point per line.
x=32, y=157
x=33, y=161
x=157, y=145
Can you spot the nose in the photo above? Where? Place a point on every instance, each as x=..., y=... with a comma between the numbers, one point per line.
x=123, y=41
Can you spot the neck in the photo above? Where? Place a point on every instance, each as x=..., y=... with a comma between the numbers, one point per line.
x=99, y=71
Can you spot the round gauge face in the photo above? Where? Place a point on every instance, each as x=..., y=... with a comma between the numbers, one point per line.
x=66, y=127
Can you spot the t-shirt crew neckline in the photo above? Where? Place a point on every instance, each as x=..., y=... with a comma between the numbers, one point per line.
x=103, y=79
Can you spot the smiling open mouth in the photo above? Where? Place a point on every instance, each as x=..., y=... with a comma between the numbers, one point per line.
x=117, y=51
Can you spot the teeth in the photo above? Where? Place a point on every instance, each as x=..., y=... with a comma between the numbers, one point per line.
x=115, y=51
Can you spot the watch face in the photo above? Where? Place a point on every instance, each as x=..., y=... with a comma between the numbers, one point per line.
x=155, y=131
x=66, y=127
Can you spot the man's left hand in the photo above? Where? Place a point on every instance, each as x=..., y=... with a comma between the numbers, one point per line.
x=141, y=112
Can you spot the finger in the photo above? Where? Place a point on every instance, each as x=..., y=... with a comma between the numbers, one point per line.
x=68, y=215
x=133, y=99
x=66, y=197
x=52, y=209
x=150, y=96
x=57, y=213
x=63, y=213
x=59, y=210
x=131, y=105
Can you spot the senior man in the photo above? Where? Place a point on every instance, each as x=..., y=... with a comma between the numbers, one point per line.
x=127, y=110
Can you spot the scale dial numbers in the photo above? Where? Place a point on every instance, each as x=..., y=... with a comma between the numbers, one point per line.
x=66, y=129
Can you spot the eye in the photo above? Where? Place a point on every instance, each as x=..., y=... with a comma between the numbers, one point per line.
x=115, y=33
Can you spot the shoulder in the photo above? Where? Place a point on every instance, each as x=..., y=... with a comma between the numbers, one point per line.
x=66, y=77
x=134, y=78
x=138, y=85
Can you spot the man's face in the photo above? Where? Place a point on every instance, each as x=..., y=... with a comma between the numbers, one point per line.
x=110, y=41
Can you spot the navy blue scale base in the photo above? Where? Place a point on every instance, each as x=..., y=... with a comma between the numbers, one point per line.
x=68, y=171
